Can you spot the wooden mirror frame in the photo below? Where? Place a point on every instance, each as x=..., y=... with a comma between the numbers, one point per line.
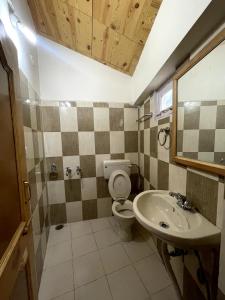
x=205, y=166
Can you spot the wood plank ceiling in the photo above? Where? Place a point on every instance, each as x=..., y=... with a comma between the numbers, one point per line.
x=112, y=32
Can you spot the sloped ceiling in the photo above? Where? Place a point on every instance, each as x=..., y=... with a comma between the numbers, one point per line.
x=112, y=32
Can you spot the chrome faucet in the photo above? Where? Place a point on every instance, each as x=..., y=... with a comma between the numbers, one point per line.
x=68, y=171
x=182, y=201
x=79, y=171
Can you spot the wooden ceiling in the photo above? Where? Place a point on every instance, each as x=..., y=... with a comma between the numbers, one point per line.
x=112, y=32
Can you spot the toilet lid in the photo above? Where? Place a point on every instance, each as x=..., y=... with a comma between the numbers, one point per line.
x=119, y=185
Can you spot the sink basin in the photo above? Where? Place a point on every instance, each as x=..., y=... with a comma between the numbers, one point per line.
x=159, y=213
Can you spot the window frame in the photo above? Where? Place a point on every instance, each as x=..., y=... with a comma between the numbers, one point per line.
x=159, y=113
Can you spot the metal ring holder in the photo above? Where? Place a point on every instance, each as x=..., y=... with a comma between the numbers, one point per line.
x=166, y=132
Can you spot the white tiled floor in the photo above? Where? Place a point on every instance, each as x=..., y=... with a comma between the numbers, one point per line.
x=87, y=261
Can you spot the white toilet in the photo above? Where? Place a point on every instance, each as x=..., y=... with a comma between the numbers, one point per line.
x=118, y=171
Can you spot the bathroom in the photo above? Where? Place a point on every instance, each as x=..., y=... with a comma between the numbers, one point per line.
x=112, y=177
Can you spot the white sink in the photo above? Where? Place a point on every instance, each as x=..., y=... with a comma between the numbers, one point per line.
x=182, y=228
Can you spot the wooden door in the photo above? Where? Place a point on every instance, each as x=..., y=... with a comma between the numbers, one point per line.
x=15, y=234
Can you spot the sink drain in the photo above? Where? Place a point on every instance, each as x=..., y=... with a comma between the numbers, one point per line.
x=164, y=225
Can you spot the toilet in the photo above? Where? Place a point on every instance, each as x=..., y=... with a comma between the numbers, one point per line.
x=117, y=172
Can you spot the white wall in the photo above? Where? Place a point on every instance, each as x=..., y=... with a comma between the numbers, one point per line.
x=67, y=75
x=27, y=52
x=174, y=20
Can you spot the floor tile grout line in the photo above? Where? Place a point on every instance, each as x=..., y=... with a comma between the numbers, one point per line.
x=108, y=274
x=80, y=256
x=52, y=233
x=171, y=284
x=61, y=295
x=109, y=224
x=79, y=237
x=124, y=267
x=98, y=248
x=117, y=269
x=64, y=261
x=160, y=290
x=77, y=257
x=131, y=262
x=141, y=278
x=60, y=263
x=92, y=281
x=50, y=246
x=90, y=233
x=109, y=286
x=131, y=258
x=56, y=244
x=87, y=222
x=104, y=271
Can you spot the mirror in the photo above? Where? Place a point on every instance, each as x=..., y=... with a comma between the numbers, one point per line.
x=199, y=109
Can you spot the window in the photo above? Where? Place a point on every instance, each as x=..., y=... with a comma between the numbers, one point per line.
x=164, y=101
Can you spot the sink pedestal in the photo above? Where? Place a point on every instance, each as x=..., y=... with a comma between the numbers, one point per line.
x=166, y=259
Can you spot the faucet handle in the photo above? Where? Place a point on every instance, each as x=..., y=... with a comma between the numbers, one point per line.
x=68, y=171
x=182, y=201
x=79, y=171
x=178, y=196
x=172, y=194
x=181, y=197
x=188, y=205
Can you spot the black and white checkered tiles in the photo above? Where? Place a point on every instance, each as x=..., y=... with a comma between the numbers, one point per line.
x=159, y=172
x=206, y=191
x=34, y=147
x=84, y=135
x=201, y=127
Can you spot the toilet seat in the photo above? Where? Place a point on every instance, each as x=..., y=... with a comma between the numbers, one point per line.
x=119, y=185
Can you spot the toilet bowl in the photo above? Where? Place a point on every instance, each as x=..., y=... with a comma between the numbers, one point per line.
x=122, y=208
x=124, y=215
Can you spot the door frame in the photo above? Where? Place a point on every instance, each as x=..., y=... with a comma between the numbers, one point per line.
x=20, y=252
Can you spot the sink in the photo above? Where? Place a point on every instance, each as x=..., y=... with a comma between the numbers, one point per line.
x=159, y=213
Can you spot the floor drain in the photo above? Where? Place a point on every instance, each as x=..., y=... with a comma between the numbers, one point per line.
x=58, y=227
x=164, y=225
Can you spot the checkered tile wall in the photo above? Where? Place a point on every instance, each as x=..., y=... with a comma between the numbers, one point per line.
x=36, y=171
x=201, y=128
x=159, y=172
x=85, y=134
x=206, y=191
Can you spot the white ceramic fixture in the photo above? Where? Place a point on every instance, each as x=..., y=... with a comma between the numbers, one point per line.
x=112, y=165
x=119, y=185
x=159, y=213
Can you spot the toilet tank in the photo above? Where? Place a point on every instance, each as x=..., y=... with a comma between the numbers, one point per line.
x=110, y=166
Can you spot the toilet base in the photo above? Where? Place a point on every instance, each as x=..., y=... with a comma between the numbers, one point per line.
x=125, y=235
x=125, y=232
x=125, y=218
